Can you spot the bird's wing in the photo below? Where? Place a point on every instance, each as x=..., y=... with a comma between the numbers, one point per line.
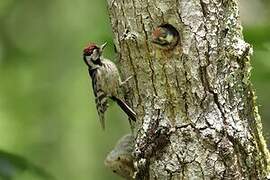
x=101, y=97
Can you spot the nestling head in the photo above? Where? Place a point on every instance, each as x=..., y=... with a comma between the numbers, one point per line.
x=165, y=36
x=92, y=52
x=160, y=36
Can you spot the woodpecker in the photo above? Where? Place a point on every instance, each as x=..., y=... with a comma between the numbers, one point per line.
x=106, y=81
x=165, y=37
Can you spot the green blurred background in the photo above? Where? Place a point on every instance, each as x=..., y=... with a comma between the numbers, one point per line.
x=47, y=113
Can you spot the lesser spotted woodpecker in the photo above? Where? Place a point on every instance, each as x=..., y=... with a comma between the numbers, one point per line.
x=165, y=37
x=106, y=81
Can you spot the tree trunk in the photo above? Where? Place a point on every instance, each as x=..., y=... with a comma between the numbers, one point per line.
x=196, y=111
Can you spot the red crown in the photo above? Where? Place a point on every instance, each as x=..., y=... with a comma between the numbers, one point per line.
x=89, y=48
x=157, y=32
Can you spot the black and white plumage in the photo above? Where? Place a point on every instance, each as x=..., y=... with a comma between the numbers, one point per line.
x=165, y=37
x=106, y=81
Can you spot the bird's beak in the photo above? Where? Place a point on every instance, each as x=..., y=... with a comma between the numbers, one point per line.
x=103, y=46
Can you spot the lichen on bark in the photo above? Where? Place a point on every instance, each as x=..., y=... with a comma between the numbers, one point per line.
x=197, y=95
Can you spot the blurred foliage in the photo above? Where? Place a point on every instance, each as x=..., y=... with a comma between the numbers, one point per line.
x=258, y=36
x=47, y=110
x=11, y=165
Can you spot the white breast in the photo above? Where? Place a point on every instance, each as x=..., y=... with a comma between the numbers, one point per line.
x=110, y=75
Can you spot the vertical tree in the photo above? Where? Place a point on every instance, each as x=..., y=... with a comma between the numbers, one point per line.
x=197, y=116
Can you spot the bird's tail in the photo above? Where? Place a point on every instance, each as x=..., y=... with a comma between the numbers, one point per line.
x=131, y=114
x=102, y=120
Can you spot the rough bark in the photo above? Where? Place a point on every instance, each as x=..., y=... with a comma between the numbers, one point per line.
x=197, y=117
